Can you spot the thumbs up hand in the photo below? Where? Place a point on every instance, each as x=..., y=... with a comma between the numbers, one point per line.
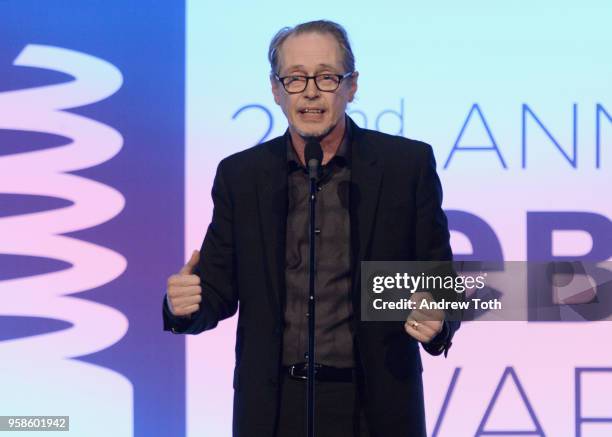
x=184, y=291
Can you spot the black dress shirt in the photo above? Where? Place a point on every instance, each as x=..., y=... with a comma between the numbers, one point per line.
x=333, y=307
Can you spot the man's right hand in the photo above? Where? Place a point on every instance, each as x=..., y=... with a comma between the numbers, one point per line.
x=184, y=291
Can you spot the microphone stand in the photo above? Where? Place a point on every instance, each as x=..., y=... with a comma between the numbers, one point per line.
x=310, y=397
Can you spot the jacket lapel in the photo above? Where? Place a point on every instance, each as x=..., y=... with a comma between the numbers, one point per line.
x=366, y=179
x=272, y=205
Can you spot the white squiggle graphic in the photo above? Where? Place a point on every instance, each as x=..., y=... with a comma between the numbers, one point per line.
x=50, y=380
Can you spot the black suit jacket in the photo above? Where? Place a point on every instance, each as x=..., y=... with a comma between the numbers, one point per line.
x=395, y=211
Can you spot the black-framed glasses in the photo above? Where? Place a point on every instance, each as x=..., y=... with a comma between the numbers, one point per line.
x=327, y=82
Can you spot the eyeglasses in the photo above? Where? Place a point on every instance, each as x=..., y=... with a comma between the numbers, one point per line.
x=296, y=84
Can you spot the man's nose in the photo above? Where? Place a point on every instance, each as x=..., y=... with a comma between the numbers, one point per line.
x=311, y=90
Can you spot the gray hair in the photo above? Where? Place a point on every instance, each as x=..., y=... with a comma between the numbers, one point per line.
x=319, y=26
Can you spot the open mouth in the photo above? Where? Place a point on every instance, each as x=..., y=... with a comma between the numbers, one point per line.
x=313, y=111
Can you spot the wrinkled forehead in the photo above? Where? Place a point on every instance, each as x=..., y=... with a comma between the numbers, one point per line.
x=310, y=52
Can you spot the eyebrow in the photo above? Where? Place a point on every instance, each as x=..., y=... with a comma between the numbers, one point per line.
x=319, y=66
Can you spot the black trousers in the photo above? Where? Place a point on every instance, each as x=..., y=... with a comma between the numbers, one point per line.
x=338, y=411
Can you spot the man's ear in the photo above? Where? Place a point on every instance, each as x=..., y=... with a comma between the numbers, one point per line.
x=353, y=87
x=276, y=89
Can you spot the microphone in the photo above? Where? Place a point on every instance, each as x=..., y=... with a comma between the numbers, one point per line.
x=313, y=155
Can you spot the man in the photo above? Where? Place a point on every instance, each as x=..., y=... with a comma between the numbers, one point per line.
x=379, y=198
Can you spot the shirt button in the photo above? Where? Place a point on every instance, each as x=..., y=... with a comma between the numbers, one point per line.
x=319, y=188
x=317, y=231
